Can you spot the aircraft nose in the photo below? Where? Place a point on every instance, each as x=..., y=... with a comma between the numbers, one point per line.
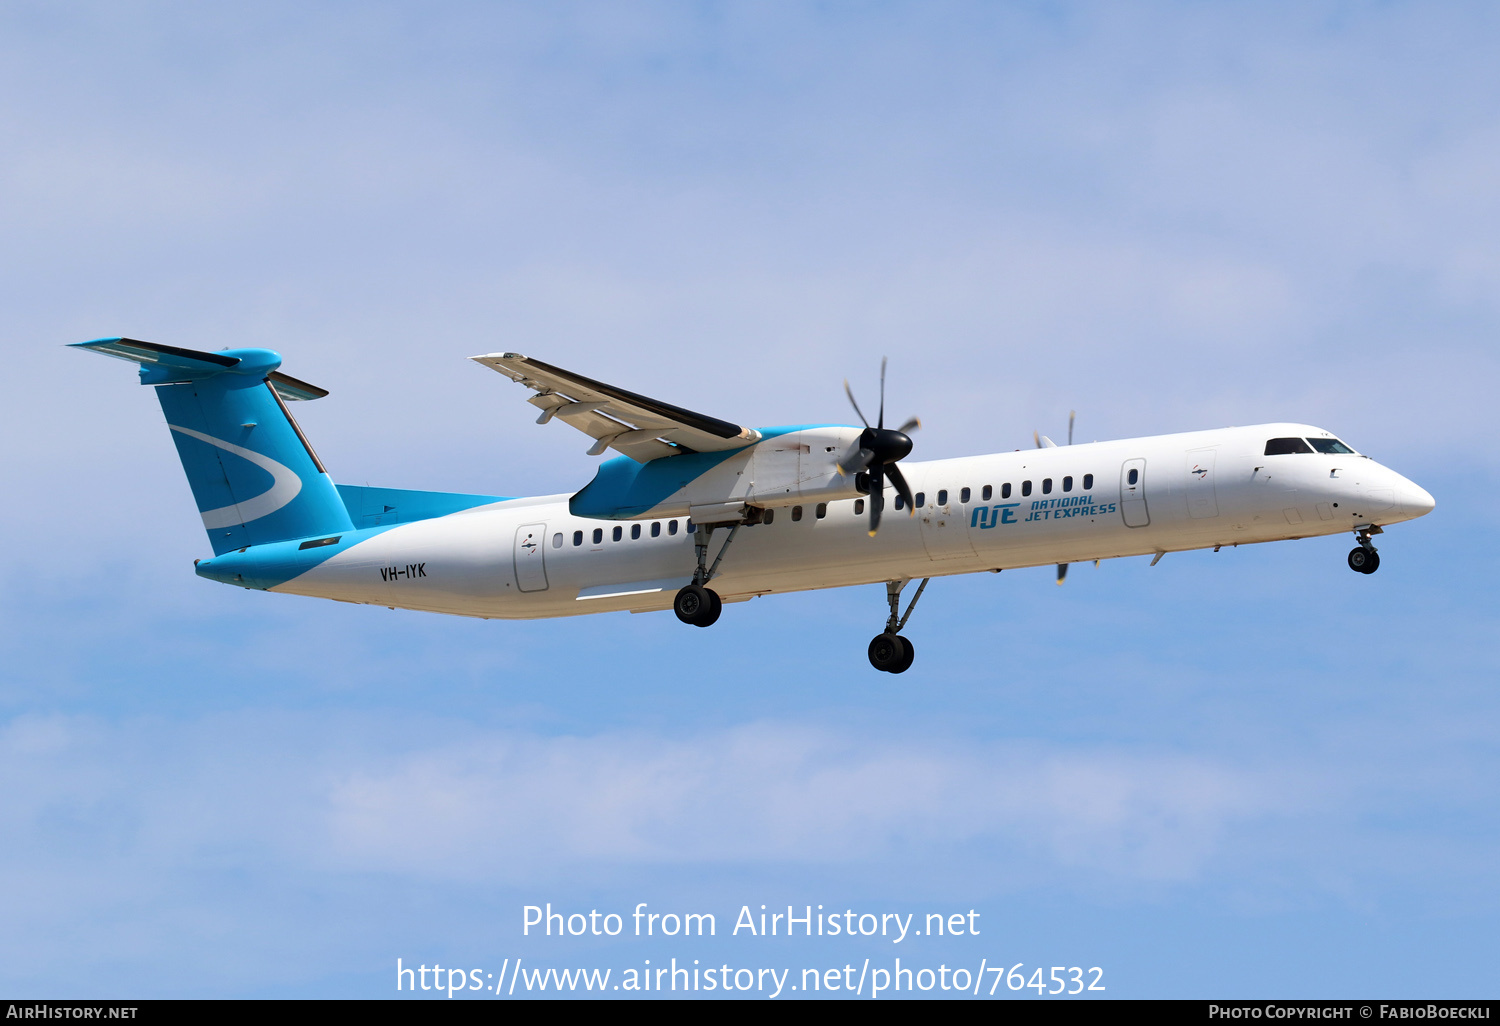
x=1415, y=500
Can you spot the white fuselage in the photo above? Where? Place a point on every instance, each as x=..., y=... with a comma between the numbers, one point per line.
x=517, y=559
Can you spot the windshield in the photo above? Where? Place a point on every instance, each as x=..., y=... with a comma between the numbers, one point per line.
x=1332, y=446
x=1285, y=446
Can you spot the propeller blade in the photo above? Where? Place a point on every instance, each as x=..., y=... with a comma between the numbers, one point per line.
x=910, y=425
x=1071, y=415
x=859, y=461
x=1035, y=437
x=877, y=496
x=850, y=393
x=1062, y=572
x=880, y=421
x=899, y=480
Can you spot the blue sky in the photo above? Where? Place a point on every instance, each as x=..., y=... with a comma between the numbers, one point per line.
x=1250, y=773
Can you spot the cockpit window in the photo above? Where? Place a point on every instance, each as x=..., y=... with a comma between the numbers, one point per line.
x=1331, y=446
x=1283, y=446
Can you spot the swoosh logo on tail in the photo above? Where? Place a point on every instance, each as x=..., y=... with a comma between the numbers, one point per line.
x=285, y=485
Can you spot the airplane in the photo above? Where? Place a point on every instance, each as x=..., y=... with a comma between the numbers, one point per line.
x=799, y=508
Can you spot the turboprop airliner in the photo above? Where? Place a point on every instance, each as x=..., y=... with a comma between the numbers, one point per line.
x=696, y=512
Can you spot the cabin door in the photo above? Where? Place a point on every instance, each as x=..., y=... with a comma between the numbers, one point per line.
x=1133, y=494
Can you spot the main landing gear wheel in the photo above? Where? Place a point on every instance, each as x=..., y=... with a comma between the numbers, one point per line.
x=891, y=653
x=697, y=605
x=1363, y=560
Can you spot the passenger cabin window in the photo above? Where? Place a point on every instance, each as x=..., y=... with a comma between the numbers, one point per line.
x=1331, y=446
x=900, y=502
x=1046, y=486
x=1284, y=446
x=942, y=497
x=689, y=526
x=1088, y=481
x=921, y=498
x=1005, y=490
x=1067, y=484
x=796, y=513
x=598, y=535
x=1025, y=487
x=619, y=532
x=987, y=494
x=656, y=528
x=1134, y=477
x=963, y=496
x=859, y=506
x=557, y=540
x=671, y=527
x=577, y=537
x=768, y=516
x=822, y=510
x=635, y=531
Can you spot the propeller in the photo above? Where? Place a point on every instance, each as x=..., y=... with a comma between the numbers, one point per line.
x=1043, y=442
x=880, y=449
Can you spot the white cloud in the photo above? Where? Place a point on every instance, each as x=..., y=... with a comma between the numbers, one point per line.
x=517, y=807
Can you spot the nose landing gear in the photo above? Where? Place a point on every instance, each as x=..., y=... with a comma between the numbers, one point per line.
x=890, y=650
x=1364, y=559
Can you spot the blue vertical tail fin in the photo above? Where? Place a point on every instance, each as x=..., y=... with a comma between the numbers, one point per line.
x=254, y=475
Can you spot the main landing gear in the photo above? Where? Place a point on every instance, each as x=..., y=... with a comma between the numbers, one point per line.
x=890, y=650
x=1364, y=559
x=698, y=604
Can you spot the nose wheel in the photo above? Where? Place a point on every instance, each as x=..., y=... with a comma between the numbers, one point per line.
x=889, y=650
x=1364, y=559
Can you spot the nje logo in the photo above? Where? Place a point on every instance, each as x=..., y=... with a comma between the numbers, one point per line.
x=1063, y=508
x=988, y=516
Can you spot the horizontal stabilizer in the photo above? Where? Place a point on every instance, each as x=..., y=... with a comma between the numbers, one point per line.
x=169, y=365
x=290, y=388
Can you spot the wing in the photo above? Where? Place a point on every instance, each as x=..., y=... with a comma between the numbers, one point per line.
x=641, y=428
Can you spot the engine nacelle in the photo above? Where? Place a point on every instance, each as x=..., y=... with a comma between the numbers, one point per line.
x=788, y=467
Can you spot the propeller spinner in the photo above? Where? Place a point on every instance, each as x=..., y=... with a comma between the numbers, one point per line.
x=880, y=449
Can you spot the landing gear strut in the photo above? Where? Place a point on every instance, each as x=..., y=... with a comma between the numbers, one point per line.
x=698, y=604
x=1364, y=559
x=890, y=650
